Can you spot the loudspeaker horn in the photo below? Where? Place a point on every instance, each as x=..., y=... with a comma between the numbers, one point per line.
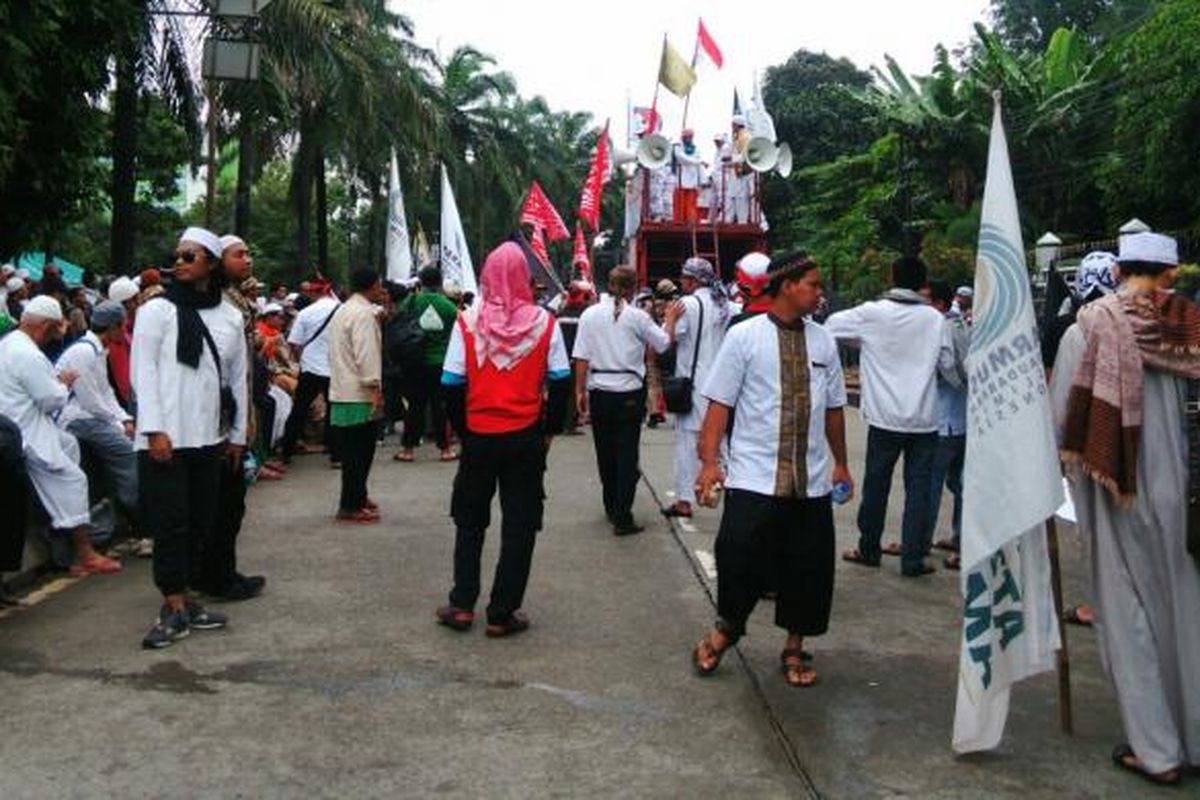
x=654, y=151
x=783, y=163
x=761, y=154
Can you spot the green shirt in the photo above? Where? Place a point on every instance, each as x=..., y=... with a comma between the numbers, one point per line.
x=436, y=314
x=347, y=415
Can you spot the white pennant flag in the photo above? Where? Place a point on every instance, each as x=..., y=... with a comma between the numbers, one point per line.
x=456, y=259
x=399, y=254
x=1011, y=480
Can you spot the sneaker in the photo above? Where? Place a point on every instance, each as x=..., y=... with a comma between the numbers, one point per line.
x=201, y=619
x=170, y=627
x=627, y=528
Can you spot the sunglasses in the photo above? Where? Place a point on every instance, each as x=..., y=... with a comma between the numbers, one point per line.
x=186, y=256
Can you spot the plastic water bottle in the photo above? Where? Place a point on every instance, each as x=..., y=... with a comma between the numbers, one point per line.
x=841, y=493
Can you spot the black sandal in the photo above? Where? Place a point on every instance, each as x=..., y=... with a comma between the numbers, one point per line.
x=1124, y=757
x=704, y=651
x=794, y=673
x=1071, y=617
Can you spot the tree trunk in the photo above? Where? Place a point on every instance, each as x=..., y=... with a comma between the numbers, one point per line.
x=210, y=194
x=322, y=210
x=124, y=154
x=302, y=193
x=374, y=245
x=245, y=176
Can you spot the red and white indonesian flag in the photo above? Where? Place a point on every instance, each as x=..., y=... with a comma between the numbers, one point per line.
x=456, y=258
x=539, y=212
x=1011, y=480
x=706, y=46
x=399, y=252
x=593, y=187
x=580, y=257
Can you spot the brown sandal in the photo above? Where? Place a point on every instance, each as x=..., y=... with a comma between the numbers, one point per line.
x=797, y=667
x=704, y=652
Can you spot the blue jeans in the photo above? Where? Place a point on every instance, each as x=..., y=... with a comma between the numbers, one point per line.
x=948, y=472
x=114, y=451
x=884, y=449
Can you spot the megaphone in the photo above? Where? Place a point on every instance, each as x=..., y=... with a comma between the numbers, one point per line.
x=654, y=151
x=622, y=157
x=783, y=162
x=761, y=154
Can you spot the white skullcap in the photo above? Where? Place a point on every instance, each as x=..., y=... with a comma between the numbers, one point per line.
x=272, y=308
x=229, y=240
x=42, y=307
x=14, y=285
x=7, y=269
x=754, y=265
x=205, y=238
x=738, y=119
x=122, y=289
x=1154, y=248
x=965, y=291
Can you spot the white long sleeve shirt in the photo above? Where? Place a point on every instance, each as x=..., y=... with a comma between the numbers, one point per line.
x=92, y=396
x=903, y=345
x=615, y=346
x=30, y=396
x=180, y=401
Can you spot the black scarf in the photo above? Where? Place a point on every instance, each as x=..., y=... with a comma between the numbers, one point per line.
x=187, y=300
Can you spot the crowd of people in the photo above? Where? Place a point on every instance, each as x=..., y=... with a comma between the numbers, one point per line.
x=184, y=390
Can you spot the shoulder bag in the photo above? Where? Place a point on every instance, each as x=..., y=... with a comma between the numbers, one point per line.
x=677, y=389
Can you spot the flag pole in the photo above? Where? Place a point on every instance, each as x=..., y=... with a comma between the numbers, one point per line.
x=687, y=102
x=1065, y=715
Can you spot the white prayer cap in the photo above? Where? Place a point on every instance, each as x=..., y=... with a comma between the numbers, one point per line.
x=754, y=265
x=1154, y=248
x=122, y=289
x=965, y=291
x=272, y=308
x=720, y=137
x=42, y=307
x=14, y=284
x=229, y=240
x=738, y=119
x=291, y=297
x=7, y=269
x=205, y=238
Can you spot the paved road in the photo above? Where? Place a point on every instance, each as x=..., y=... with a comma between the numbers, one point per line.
x=336, y=683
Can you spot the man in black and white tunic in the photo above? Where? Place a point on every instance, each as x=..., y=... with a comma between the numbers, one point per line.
x=779, y=375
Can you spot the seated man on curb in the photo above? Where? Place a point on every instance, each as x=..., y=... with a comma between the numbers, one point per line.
x=30, y=394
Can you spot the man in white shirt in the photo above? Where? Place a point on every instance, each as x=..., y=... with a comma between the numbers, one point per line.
x=92, y=414
x=779, y=376
x=610, y=380
x=904, y=344
x=189, y=376
x=689, y=168
x=704, y=315
x=31, y=394
x=309, y=338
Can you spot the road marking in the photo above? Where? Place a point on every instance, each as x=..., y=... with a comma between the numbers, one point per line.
x=707, y=563
x=38, y=595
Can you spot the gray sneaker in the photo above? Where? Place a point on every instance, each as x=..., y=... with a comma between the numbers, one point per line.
x=202, y=619
x=170, y=627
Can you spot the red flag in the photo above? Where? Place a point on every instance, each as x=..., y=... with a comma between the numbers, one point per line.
x=540, y=213
x=580, y=257
x=593, y=187
x=709, y=46
x=537, y=243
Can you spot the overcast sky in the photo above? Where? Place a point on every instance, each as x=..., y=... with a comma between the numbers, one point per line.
x=589, y=56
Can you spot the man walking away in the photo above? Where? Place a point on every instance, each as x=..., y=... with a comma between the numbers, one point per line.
x=189, y=374
x=904, y=343
x=309, y=338
x=610, y=384
x=502, y=353
x=356, y=392
x=435, y=314
x=30, y=395
x=780, y=377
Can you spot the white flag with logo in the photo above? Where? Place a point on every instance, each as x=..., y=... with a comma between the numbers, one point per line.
x=399, y=253
x=1011, y=478
x=456, y=259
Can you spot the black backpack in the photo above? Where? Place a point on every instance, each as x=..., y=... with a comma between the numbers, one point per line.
x=405, y=341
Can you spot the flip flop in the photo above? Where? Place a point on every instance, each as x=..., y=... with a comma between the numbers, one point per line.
x=1124, y=757
x=673, y=511
x=1071, y=617
x=945, y=544
x=448, y=457
x=404, y=458
x=891, y=549
x=855, y=557
x=798, y=676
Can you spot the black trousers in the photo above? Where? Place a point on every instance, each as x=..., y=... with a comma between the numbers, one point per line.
x=617, y=434
x=516, y=464
x=219, y=562
x=179, y=501
x=358, y=451
x=14, y=496
x=424, y=388
x=785, y=544
x=307, y=389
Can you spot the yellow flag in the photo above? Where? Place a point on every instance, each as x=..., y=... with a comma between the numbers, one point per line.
x=675, y=73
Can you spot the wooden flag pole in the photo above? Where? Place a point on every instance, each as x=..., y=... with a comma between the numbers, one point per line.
x=1065, y=715
x=687, y=102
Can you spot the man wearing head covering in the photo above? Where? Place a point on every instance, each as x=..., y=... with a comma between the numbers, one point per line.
x=739, y=178
x=610, y=382
x=356, y=392
x=16, y=291
x=502, y=353
x=125, y=292
x=778, y=375
x=752, y=281
x=30, y=395
x=689, y=172
x=218, y=576
x=309, y=338
x=92, y=413
x=189, y=376
x=1124, y=375
x=705, y=312
x=904, y=346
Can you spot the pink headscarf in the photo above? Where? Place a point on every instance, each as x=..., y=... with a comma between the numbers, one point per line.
x=507, y=324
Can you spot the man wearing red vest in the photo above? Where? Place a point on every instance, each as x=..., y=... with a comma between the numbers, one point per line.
x=506, y=380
